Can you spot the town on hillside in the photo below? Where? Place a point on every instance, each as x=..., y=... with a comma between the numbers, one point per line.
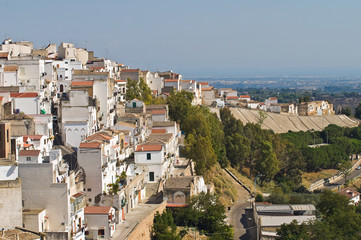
x=88, y=149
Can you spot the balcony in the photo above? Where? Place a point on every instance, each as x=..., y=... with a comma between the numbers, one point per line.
x=77, y=202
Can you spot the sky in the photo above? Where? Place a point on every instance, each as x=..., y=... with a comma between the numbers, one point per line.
x=200, y=38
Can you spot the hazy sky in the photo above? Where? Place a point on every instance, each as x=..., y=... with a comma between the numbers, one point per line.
x=200, y=37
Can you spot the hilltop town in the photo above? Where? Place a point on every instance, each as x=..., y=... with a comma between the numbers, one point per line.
x=93, y=149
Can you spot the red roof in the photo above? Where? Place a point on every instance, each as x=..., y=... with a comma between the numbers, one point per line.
x=245, y=96
x=82, y=83
x=233, y=97
x=120, y=81
x=177, y=205
x=158, y=112
x=99, y=136
x=273, y=98
x=203, y=83
x=159, y=131
x=148, y=148
x=76, y=195
x=171, y=80
x=97, y=210
x=4, y=54
x=29, y=153
x=10, y=68
x=130, y=70
x=90, y=145
x=96, y=68
x=24, y=95
x=32, y=137
x=26, y=145
x=1, y=98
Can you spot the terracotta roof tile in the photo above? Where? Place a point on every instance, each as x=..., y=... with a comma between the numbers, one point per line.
x=148, y=148
x=4, y=54
x=273, y=98
x=171, y=80
x=130, y=70
x=32, y=137
x=158, y=112
x=24, y=95
x=10, y=68
x=97, y=210
x=82, y=83
x=159, y=131
x=90, y=145
x=203, y=83
x=244, y=96
x=99, y=136
x=120, y=81
x=29, y=153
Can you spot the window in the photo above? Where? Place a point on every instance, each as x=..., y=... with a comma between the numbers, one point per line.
x=7, y=134
x=89, y=189
x=151, y=176
x=90, y=200
x=28, y=159
x=100, y=232
x=149, y=156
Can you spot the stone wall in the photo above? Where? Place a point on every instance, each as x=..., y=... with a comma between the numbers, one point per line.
x=143, y=229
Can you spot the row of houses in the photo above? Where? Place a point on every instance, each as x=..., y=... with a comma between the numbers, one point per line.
x=75, y=156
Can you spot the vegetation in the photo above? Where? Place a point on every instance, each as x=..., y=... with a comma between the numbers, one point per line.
x=141, y=91
x=164, y=227
x=338, y=220
x=205, y=212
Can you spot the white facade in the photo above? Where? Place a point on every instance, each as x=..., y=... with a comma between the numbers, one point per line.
x=155, y=82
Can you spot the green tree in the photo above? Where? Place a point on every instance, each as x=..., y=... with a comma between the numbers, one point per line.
x=238, y=149
x=358, y=111
x=199, y=149
x=163, y=227
x=180, y=105
x=145, y=92
x=133, y=90
x=267, y=164
x=346, y=111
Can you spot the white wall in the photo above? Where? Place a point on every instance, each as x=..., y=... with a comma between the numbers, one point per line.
x=40, y=192
x=8, y=172
x=27, y=105
x=10, y=202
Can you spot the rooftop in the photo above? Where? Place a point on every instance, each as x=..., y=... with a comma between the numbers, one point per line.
x=82, y=83
x=90, y=145
x=275, y=221
x=32, y=137
x=24, y=95
x=207, y=89
x=100, y=136
x=163, y=124
x=166, y=137
x=179, y=182
x=148, y=148
x=97, y=210
x=349, y=192
x=159, y=131
x=158, y=112
x=29, y=153
x=11, y=68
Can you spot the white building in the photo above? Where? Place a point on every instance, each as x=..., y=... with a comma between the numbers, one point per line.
x=101, y=222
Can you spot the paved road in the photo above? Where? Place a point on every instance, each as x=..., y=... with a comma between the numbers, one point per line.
x=132, y=219
x=240, y=215
x=354, y=174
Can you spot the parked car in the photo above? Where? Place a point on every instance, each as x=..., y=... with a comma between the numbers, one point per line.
x=358, y=167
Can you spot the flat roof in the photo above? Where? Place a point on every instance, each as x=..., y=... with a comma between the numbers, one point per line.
x=275, y=221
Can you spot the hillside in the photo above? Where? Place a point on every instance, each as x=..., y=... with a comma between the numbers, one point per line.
x=281, y=123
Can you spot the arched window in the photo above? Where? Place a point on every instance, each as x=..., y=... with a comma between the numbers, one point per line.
x=61, y=88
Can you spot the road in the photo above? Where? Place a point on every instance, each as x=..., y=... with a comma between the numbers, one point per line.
x=353, y=174
x=240, y=216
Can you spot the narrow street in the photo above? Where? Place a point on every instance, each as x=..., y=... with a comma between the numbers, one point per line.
x=240, y=215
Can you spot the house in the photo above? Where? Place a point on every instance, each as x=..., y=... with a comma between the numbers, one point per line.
x=79, y=117
x=315, y=108
x=253, y=104
x=122, y=89
x=132, y=74
x=43, y=124
x=246, y=98
x=290, y=108
x=271, y=100
x=99, y=155
x=174, y=83
x=21, y=124
x=275, y=108
x=101, y=222
x=135, y=106
x=59, y=214
x=30, y=156
x=159, y=115
x=170, y=126
x=208, y=95
x=352, y=195
x=151, y=159
x=29, y=103
x=10, y=75
x=178, y=190
x=70, y=52
x=191, y=86
x=270, y=217
x=170, y=75
x=153, y=80
x=232, y=100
